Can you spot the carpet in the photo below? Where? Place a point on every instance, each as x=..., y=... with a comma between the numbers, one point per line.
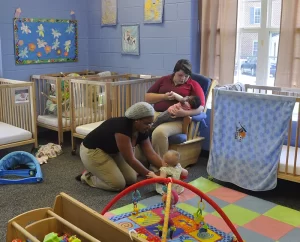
x=256, y=220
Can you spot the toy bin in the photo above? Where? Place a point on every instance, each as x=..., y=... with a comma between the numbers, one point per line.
x=68, y=216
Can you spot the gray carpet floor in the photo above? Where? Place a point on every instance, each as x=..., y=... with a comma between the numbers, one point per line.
x=59, y=176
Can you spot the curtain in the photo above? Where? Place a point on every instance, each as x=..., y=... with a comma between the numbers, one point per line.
x=288, y=62
x=218, y=39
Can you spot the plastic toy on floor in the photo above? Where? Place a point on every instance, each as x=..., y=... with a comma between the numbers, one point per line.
x=160, y=222
x=20, y=167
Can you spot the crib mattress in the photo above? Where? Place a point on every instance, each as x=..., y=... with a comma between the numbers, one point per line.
x=10, y=134
x=290, y=161
x=86, y=128
x=52, y=120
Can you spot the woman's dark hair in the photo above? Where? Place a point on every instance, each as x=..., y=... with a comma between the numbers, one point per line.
x=183, y=65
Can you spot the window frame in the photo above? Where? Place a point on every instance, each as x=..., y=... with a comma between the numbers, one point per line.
x=254, y=49
x=257, y=15
x=264, y=31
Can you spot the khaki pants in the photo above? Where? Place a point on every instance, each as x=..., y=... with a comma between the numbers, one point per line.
x=161, y=134
x=108, y=172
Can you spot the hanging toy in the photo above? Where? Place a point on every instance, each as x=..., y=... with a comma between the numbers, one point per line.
x=198, y=215
x=202, y=233
x=136, y=196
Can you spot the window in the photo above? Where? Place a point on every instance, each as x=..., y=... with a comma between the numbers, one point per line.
x=257, y=36
x=257, y=15
x=254, y=48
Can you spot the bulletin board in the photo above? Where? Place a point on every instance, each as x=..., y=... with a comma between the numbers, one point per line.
x=40, y=41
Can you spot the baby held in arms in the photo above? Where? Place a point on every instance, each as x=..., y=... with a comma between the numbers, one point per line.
x=185, y=103
x=170, y=168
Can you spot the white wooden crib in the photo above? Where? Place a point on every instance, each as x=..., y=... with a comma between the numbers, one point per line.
x=60, y=119
x=17, y=114
x=93, y=101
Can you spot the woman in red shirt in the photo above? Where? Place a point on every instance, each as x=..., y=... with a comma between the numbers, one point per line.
x=161, y=95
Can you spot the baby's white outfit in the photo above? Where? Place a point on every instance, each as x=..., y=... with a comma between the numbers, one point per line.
x=173, y=172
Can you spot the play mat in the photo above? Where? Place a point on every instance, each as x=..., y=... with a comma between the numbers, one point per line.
x=147, y=222
x=165, y=222
x=256, y=220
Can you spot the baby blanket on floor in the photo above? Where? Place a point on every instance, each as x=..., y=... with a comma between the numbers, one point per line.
x=248, y=134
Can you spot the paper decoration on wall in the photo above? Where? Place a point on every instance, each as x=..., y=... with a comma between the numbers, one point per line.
x=18, y=12
x=131, y=39
x=109, y=12
x=72, y=13
x=153, y=11
x=45, y=40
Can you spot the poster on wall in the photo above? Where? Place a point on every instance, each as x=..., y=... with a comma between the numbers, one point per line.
x=40, y=41
x=153, y=11
x=21, y=95
x=108, y=12
x=131, y=39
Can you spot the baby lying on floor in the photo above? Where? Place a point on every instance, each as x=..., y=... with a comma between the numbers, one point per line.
x=171, y=168
x=185, y=103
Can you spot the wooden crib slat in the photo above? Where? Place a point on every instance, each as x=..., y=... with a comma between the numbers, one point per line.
x=115, y=99
x=94, y=104
x=128, y=96
x=6, y=108
x=63, y=104
x=21, y=115
x=120, y=106
x=58, y=99
x=27, y=116
x=10, y=109
x=90, y=104
x=40, y=84
x=81, y=103
x=77, y=99
x=297, y=141
x=140, y=92
x=86, y=101
x=288, y=146
x=98, y=103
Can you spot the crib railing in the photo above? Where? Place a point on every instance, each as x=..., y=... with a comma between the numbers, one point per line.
x=125, y=90
x=89, y=102
x=19, y=113
x=289, y=164
x=113, y=97
x=56, y=87
x=81, y=73
x=94, y=101
x=126, y=93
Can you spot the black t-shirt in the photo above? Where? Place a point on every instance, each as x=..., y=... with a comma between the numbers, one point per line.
x=103, y=137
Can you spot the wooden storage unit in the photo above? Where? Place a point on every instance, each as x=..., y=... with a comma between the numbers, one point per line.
x=67, y=216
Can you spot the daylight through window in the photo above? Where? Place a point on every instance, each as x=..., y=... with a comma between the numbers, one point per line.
x=257, y=41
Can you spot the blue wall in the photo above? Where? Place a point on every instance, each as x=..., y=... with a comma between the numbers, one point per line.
x=41, y=9
x=161, y=45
